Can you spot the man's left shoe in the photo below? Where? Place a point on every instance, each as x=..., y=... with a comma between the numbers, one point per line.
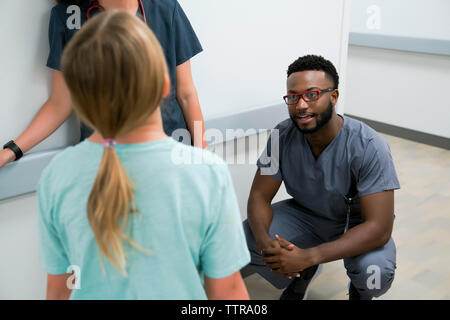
x=353, y=294
x=299, y=287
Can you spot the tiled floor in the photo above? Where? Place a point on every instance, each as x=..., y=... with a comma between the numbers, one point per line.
x=421, y=232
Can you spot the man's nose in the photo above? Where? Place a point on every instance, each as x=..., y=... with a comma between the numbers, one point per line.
x=301, y=104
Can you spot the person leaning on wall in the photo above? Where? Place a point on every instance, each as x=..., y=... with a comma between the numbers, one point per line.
x=172, y=28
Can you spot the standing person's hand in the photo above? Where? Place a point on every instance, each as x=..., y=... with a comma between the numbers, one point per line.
x=6, y=156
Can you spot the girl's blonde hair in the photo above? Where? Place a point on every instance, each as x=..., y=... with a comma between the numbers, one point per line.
x=115, y=70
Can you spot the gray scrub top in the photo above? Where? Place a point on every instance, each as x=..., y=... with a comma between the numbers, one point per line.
x=170, y=25
x=357, y=162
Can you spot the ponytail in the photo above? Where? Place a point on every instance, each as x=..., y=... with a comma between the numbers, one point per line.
x=110, y=203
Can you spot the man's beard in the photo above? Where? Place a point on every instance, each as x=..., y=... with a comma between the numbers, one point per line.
x=325, y=117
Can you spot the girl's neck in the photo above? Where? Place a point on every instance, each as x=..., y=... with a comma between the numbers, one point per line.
x=150, y=131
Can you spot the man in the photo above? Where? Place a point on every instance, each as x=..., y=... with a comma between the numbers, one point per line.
x=341, y=177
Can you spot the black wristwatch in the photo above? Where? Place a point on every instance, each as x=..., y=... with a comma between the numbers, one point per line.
x=15, y=148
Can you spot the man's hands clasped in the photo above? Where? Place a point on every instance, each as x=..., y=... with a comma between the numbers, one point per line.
x=285, y=258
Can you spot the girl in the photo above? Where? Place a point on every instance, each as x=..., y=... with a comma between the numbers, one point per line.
x=116, y=208
x=172, y=28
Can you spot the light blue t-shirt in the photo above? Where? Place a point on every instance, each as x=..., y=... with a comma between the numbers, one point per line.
x=189, y=218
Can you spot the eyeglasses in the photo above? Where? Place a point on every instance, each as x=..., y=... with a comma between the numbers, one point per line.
x=308, y=96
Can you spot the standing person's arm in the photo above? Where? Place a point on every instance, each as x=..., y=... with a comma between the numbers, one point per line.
x=188, y=99
x=186, y=45
x=49, y=118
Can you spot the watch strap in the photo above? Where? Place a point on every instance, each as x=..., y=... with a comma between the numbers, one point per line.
x=14, y=148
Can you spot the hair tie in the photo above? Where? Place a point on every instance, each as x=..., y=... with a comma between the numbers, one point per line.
x=109, y=143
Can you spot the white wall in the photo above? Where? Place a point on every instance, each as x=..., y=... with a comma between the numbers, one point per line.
x=400, y=88
x=407, y=18
x=21, y=274
x=249, y=45
x=25, y=81
x=404, y=89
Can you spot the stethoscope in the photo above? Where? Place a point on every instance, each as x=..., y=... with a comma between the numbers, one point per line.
x=96, y=5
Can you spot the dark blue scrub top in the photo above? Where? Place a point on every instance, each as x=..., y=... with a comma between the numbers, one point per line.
x=169, y=23
x=356, y=163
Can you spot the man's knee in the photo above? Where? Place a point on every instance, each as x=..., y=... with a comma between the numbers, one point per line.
x=379, y=279
x=372, y=280
x=372, y=274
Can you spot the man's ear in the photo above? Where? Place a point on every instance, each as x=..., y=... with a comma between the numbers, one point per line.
x=166, y=90
x=334, y=96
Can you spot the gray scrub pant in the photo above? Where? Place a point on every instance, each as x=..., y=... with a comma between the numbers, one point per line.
x=371, y=273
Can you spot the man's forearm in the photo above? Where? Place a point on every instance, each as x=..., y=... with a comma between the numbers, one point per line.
x=260, y=216
x=358, y=240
